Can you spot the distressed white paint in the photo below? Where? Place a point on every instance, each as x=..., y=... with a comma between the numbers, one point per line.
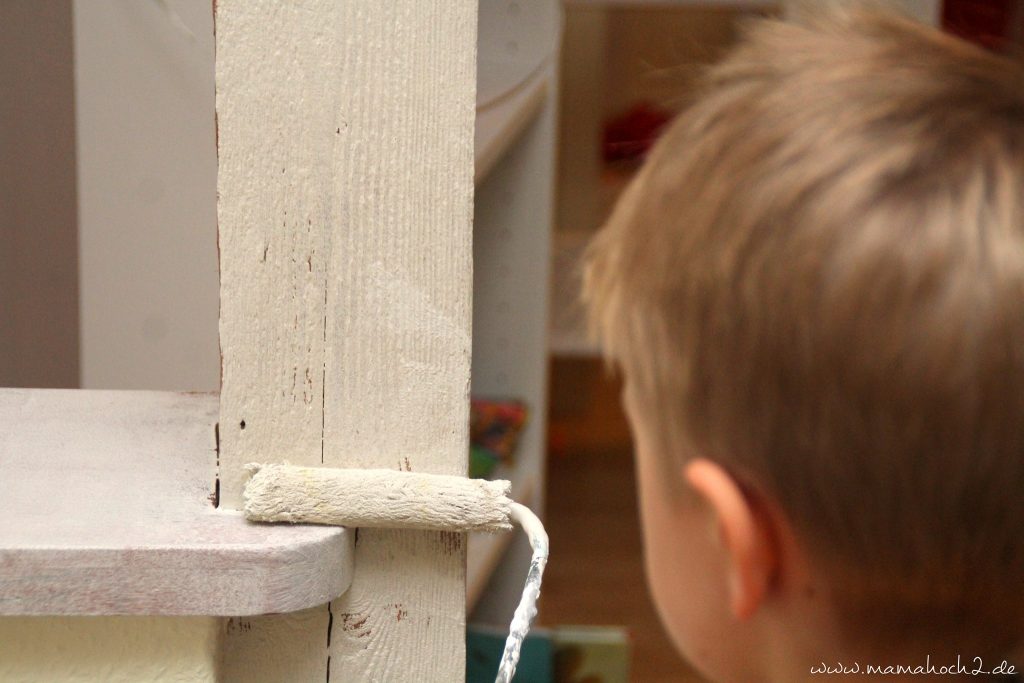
x=383, y=499
x=146, y=194
x=106, y=498
x=346, y=167
x=275, y=649
x=110, y=649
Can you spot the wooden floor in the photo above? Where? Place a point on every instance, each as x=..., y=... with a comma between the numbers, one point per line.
x=596, y=573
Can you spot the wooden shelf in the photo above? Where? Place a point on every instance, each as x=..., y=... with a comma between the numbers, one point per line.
x=500, y=123
x=107, y=501
x=485, y=550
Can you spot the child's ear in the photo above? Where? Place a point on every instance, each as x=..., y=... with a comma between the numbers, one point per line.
x=745, y=531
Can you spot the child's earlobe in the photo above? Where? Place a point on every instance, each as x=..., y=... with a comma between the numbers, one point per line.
x=746, y=537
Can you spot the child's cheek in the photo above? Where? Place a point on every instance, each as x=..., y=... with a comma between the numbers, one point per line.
x=687, y=578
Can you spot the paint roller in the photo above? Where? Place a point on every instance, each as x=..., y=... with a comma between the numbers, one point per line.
x=402, y=500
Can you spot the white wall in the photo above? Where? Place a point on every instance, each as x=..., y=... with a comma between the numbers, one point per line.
x=147, y=170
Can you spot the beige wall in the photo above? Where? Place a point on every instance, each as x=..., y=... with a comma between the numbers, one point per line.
x=38, y=249
x=109, y=649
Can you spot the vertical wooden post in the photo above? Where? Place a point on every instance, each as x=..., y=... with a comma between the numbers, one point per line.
x=345, y=204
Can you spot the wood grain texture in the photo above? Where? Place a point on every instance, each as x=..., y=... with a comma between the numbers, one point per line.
x=284, y=648
x=346, y=179
x=106, y=502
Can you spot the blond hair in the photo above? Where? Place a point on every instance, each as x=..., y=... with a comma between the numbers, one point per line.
x=817, y=280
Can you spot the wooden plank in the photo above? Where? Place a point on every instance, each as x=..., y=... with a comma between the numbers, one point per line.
x=106, y=498
x=346, y=177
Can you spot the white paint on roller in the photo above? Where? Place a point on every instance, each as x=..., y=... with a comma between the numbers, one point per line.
x=403, y=500
x=376, y=498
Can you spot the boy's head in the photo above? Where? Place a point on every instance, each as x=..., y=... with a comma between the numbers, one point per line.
x=815, y=291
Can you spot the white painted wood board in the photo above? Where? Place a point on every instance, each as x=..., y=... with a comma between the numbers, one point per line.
x=147, y=230
x=275, y=649
x=107, y=502
x=345, y=184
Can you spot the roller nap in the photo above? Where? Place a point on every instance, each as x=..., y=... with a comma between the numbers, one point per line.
x=376, y=498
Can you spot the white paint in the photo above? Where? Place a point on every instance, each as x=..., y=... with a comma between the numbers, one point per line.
x=376, y=498
x=346, y=167
x=275, y=649
x=135, y=135
x=107, y=504
x=110, y=649
x=146, y=194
